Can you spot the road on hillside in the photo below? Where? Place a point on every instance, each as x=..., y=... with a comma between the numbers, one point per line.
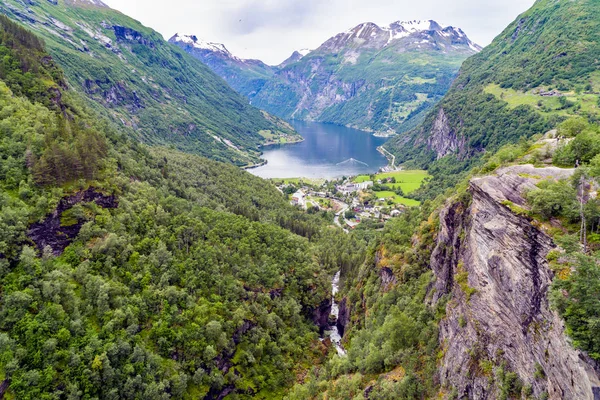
x=337, y=216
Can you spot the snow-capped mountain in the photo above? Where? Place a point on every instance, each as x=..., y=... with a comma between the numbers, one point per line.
x=422, y=34
x=369, y=77
x=245, y=76
x=198, y=44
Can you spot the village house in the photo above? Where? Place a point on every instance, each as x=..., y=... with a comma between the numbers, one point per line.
x=299, y=198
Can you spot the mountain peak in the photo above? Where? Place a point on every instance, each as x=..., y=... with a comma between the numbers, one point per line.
x=417, y=25
x=418, y=34
x=197, y=43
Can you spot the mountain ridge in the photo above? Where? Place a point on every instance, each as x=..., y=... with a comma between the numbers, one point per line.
x=153, y=90
x=368, y=77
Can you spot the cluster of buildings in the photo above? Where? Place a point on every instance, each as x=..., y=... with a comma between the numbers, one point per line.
x=349, y=188
x=306, y=197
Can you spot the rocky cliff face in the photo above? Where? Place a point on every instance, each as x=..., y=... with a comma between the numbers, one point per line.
x=53, y=234
x=443, y=139
x=492, y=264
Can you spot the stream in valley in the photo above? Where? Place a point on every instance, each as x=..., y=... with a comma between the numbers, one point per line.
x=333, y=332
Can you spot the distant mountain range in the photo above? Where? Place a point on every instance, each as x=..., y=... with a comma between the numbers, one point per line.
x=153, y=90
x=381, y=79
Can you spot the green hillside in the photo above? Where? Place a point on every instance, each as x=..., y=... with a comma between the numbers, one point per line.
x=537, y=72
x=161, y=95
x=132, y=272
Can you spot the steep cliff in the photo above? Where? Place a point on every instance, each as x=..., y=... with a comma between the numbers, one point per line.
x=499, y=334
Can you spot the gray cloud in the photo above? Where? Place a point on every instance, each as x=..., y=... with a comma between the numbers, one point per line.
x=271, y=30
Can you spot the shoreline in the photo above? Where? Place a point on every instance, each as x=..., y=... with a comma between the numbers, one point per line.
x=280, y=144
x=384, y=135
x=387, y=155
x=253, y=166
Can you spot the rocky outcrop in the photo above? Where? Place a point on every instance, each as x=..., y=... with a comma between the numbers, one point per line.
x=114, y=94
x=51, y=233
x=343, y=319
x=320, y=315
x=388, y=279
x=492, y=264
x=443, y=139
x=224, y=362
x=126, y=34
x=4, y=387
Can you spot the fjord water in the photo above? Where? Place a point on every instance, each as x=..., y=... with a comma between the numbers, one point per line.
x=328, y=151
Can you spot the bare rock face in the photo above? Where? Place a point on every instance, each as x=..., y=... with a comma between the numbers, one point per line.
x=492, y=265
x=443, y=140
x=51, y=233
x=344, y=316
x=320, y=315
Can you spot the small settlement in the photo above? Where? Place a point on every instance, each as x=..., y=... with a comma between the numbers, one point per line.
x=356, y=200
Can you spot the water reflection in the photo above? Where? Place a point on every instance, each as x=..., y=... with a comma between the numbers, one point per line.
x=328, y=151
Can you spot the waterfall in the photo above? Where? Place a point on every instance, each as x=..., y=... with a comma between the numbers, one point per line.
x=333, y=332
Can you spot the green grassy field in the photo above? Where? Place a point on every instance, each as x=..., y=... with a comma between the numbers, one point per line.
x=548, y=105
x=408, y=181
x=397, y=199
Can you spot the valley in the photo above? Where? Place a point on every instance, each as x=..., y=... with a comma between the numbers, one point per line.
x=397, y=213
x=378, y=79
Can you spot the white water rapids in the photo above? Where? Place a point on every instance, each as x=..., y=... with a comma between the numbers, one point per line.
x=333, y=332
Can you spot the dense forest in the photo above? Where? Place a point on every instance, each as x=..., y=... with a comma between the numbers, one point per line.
x=136, y=272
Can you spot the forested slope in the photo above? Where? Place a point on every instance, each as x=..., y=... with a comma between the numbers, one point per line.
x=160, y=95
x=133, y=272
x=461, y=298
x=539, y=71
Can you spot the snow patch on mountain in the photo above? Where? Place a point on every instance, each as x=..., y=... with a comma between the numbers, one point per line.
x=96, y=3
x=418, y=26
x=198, y=43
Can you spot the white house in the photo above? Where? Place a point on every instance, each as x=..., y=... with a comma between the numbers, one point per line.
x=299, y=198
x=364, y=185
x=354, y=187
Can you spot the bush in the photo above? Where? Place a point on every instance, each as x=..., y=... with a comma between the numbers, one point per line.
x=554, y=199
x=586, y=146
x=564, y=157
x=580, y=307
x=573, y=126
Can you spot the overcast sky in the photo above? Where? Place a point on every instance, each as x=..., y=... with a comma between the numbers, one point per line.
x=270, y=30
